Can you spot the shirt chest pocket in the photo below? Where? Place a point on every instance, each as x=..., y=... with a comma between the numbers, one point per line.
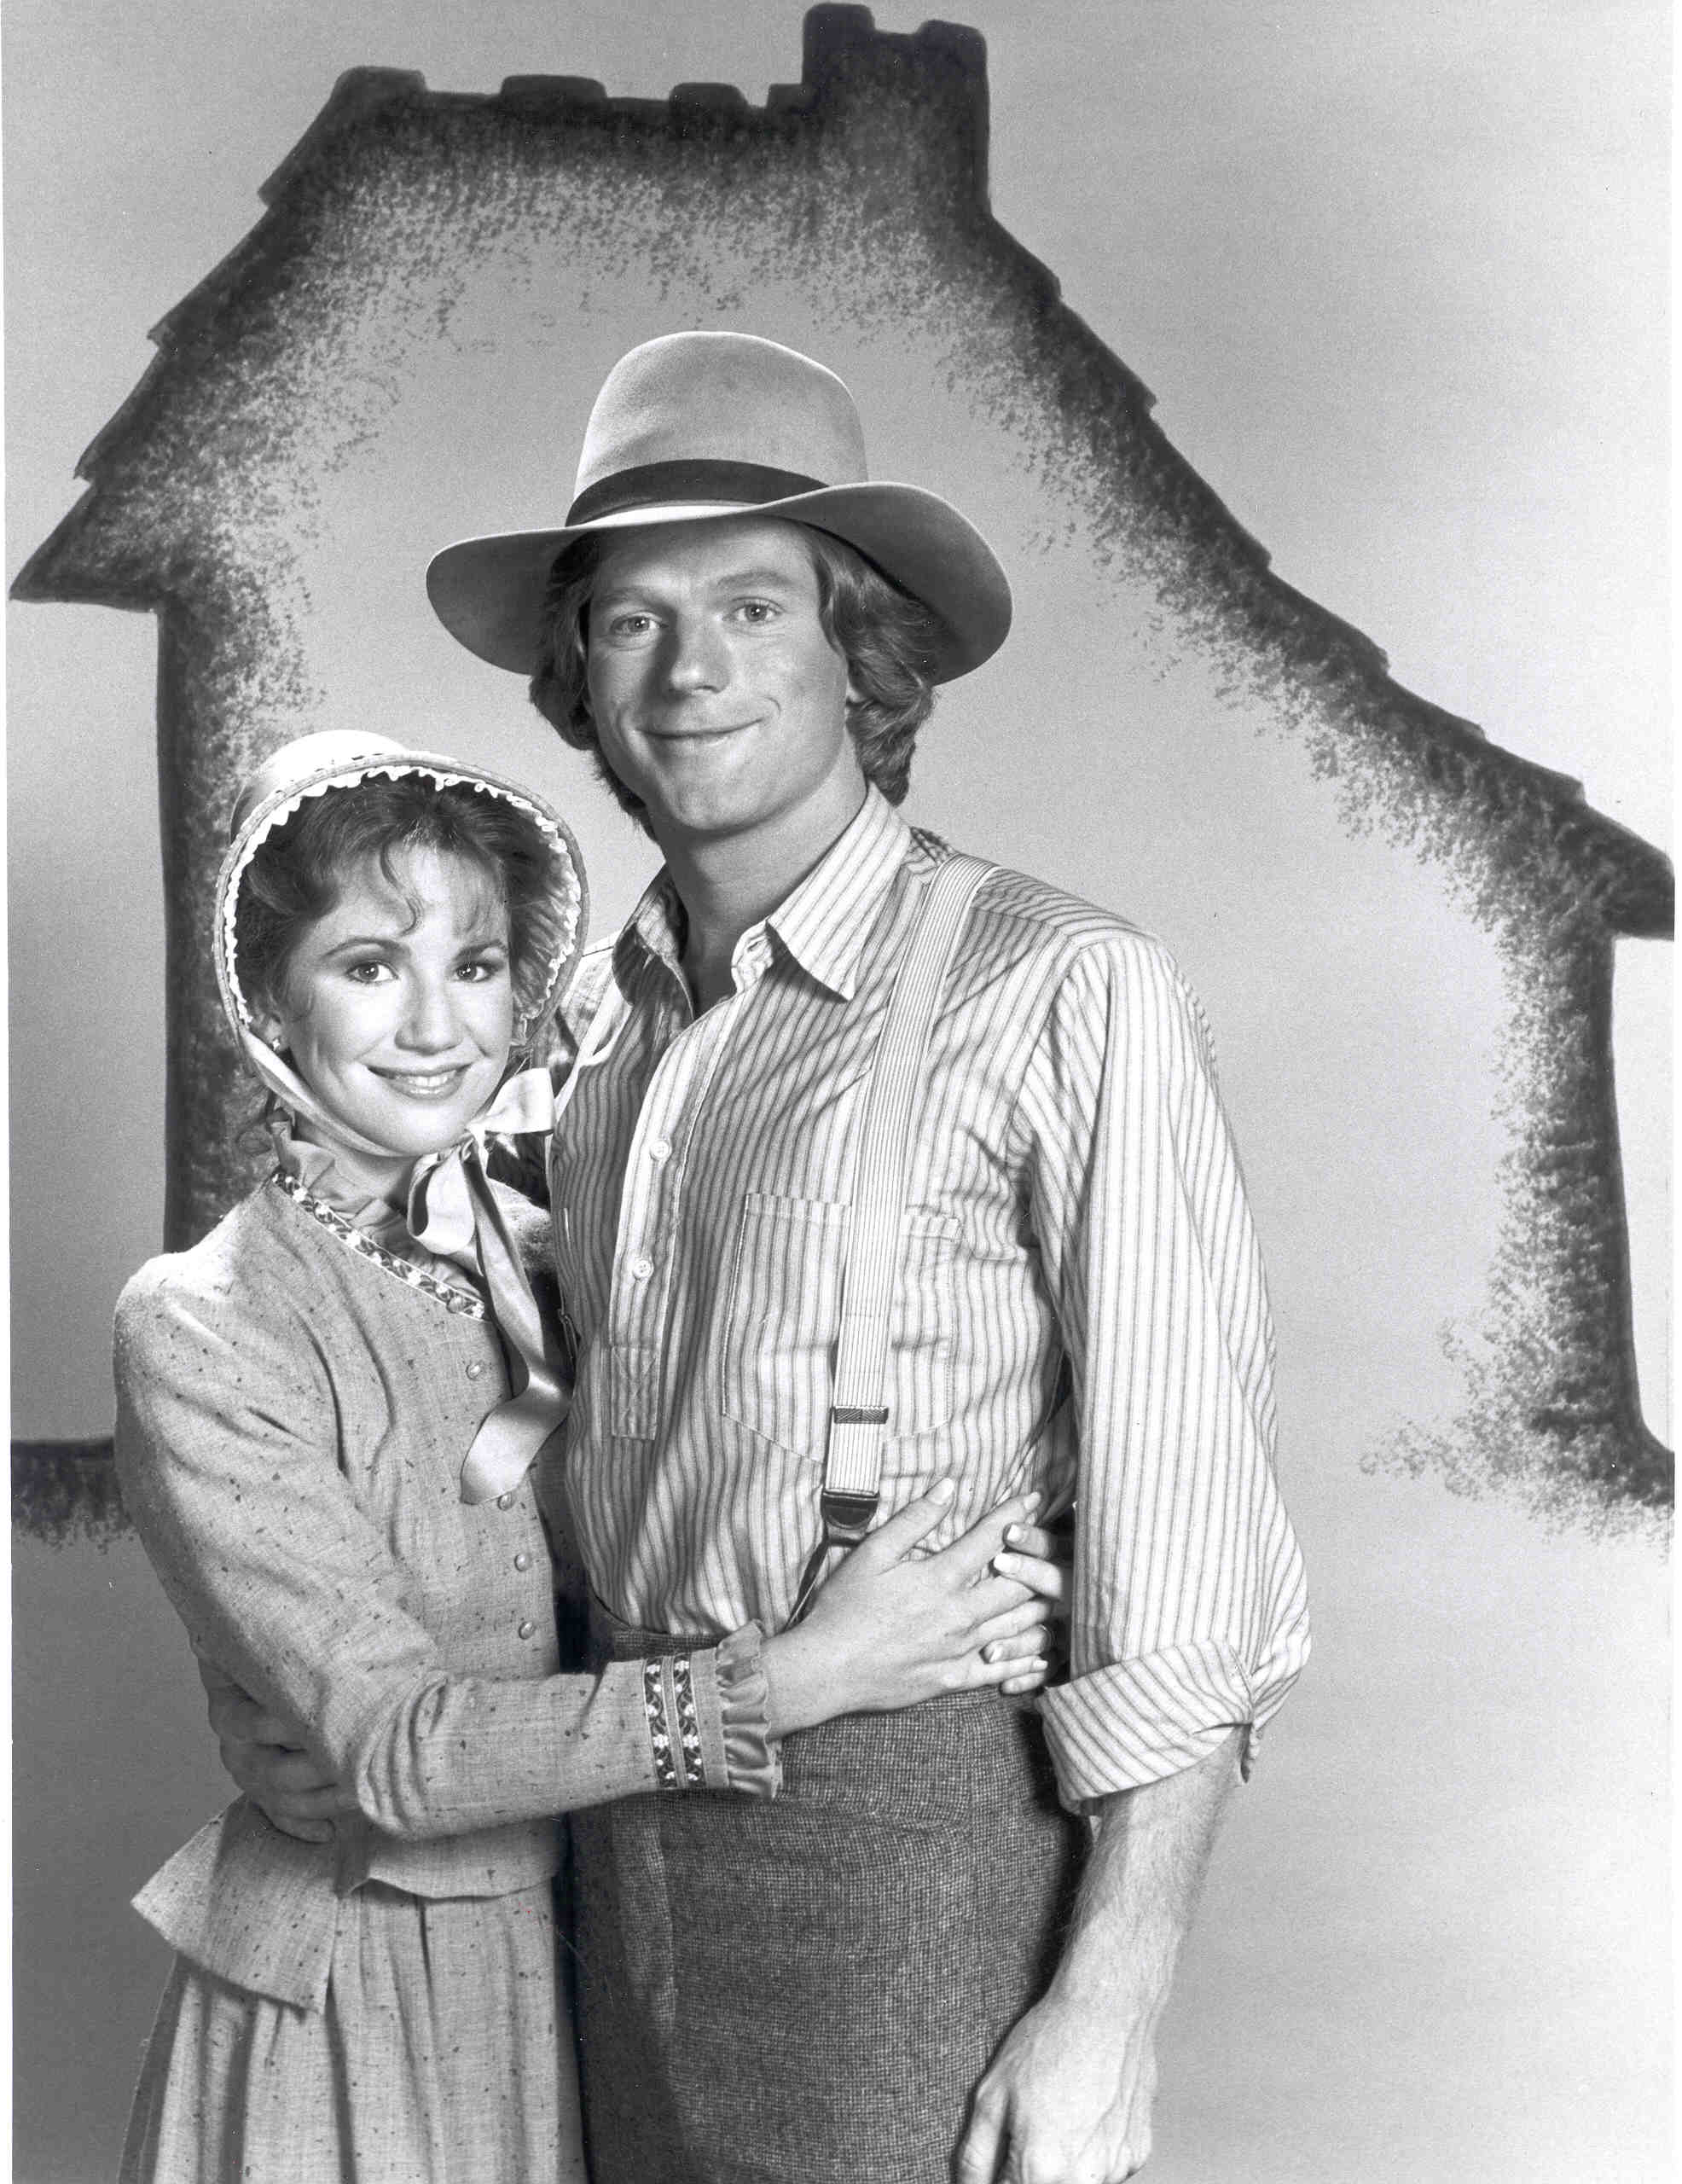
x=783, y=1315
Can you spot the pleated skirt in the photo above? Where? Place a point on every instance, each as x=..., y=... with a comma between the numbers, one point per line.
x=444, y=2054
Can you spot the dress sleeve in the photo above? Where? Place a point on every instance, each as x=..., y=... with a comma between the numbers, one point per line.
x=1190, y=1608
x=225, y=1449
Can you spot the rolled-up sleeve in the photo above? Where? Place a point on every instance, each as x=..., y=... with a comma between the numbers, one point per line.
x=1190, y=1607
x=225, y=1449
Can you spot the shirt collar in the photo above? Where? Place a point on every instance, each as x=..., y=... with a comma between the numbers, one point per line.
x=822, y=925
x=654, y=931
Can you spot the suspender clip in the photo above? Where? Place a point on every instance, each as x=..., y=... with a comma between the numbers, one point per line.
x=846, y=1517
x=846, y=1520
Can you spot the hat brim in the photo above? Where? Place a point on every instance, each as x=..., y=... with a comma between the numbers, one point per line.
x=488, y=592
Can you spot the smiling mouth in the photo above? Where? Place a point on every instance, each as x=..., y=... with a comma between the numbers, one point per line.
x=423, y=1083
x=698, y=734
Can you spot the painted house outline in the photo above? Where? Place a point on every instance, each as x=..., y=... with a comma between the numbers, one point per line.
x=1560, y=881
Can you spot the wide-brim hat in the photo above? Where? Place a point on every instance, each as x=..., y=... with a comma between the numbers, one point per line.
x=339, y=758
x=693, y=427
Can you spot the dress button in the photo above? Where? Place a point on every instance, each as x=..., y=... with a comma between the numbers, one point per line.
x=522, y=1562
x=505, y=1501
x=660, y=1149
x=641, y=1268
x=475, y=1368
x=526, y=1629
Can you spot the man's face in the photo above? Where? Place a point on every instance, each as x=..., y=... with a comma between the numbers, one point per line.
x=717, y=698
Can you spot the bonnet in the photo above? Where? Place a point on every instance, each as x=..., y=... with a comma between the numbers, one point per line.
x=453, y=1212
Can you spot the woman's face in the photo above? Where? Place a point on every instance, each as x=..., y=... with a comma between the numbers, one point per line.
x=397, y=1007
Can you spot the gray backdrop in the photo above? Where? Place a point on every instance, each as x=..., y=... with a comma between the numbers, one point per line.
x=1390, y=281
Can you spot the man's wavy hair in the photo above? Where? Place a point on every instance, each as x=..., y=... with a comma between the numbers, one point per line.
x=885, y=636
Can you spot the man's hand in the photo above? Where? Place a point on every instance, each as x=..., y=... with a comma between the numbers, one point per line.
x=1042, y=1559
x=1067, y=2098
x=265, y=1755
x=1059, y=2105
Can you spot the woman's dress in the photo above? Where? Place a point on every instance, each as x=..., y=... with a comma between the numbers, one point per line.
x=294, y=1403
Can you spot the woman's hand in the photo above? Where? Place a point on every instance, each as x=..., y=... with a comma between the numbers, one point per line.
x=885, y=1632
x=1040, y=1559
x=265, y=1757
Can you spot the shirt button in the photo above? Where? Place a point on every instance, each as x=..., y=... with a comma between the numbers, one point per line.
x=641, y=1268
x=526, y=1629
x=505, y=1501
x=522, y=1562
x=660, y=1149
x=475, y=1369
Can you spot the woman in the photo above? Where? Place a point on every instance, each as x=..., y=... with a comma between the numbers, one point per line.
x=335, y=1435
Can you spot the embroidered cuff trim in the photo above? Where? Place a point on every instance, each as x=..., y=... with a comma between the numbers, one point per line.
x=688, y=1723
x=654, y=1706
x=669, y=1695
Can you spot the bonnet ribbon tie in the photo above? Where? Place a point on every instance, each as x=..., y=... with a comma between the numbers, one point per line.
x=453, y=1212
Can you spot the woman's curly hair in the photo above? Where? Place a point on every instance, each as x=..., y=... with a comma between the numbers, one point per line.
x=886, y=637
x=299, y=872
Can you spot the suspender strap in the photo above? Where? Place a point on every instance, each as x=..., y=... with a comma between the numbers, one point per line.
x=858, y=1418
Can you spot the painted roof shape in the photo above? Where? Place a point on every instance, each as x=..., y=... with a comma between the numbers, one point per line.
x=1624, y=881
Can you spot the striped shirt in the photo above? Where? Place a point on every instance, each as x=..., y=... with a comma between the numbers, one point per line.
x=1081, y=1306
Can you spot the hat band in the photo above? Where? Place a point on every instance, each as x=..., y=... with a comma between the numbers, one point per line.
x=653, y=485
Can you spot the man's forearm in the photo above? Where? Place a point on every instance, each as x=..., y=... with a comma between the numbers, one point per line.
x=1069, y=2094
x=1150, y=1853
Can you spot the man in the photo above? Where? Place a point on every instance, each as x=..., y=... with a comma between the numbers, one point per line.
x=1079, y=1307
x=925, y=1943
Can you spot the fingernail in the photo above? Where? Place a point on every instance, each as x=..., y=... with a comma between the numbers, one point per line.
x=942, y=1489
x=1004, y=1565
x=989, y=1653
x=1032, y=1501
x=1013, y=1534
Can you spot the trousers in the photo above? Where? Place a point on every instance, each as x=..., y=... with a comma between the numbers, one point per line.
x=805, y=1990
